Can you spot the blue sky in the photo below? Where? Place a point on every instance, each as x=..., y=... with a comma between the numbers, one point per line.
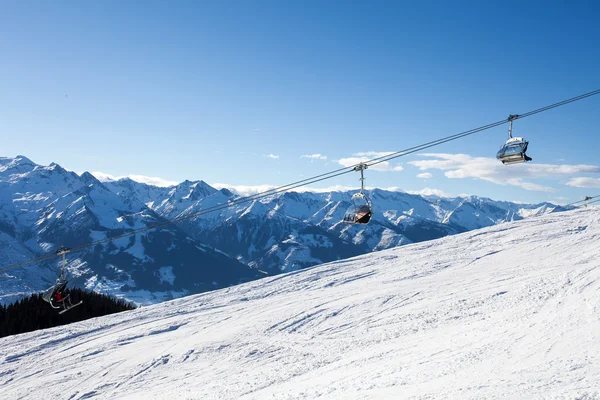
x=209, y=90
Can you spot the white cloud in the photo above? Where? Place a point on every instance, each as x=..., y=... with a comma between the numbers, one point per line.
x=149, y=180
x=425, y=175
x=249, y=190
x=273, y=156
x=394, y=189
x=461, y=166
x=422, y=192
x=102, y=177
x=534, y=187
x=564, y=169
x=315, y=156
x=334, y=188
x=582, y=182
x=366, y=156
x=429, y=192
x=244, y=190
x=561, y=201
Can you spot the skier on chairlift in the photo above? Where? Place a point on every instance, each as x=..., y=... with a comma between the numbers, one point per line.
x=360, y=211
x=55, y=295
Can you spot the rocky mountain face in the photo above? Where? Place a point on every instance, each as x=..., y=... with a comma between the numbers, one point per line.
x=45, y=207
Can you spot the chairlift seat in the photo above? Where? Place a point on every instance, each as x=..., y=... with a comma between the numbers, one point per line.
x=360, y=212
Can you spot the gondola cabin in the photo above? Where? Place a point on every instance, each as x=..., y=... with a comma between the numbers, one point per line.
x=513, y=152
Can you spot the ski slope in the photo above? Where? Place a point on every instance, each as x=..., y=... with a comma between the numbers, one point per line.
x=507, y=312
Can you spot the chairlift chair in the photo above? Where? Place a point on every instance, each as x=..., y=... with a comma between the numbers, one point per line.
x=360, y=212
x=54, y=295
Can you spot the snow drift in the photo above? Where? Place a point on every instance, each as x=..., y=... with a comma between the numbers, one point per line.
x=509, y=311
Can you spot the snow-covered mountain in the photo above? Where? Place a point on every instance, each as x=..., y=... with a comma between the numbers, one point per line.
x=292, y=230
x=505, y=312
x=45, y=207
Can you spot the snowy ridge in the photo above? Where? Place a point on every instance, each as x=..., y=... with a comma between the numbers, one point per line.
x=505, y=312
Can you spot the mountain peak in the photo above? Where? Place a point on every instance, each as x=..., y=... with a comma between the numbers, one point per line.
x=18, y=164
x=192, y=190
x=55, y=167
x=227, y=192
x=89, y=178
x=22, y=160
x=200, y=190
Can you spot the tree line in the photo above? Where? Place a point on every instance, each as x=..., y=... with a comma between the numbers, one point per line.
x=32, y=313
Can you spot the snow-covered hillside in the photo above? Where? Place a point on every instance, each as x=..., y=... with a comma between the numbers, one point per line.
x=507, y=312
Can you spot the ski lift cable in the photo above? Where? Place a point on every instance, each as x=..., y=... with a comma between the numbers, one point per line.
x=584, y=200
x=492, y=125
x=297, y=184
x=433, y=144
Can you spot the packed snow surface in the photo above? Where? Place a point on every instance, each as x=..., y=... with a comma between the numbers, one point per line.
x=509, y=311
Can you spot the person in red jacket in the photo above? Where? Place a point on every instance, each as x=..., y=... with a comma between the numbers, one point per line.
x=58, y=297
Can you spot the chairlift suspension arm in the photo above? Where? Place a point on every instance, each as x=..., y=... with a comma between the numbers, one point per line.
x=361, y=167
x=64, y=265
x=63, y=252
x=511, y=118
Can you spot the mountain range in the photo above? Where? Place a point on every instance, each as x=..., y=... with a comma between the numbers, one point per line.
x=45, y=207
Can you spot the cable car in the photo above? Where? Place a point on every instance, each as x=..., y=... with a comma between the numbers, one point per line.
x=360, y=212
x=55, y=295
x=513, y=151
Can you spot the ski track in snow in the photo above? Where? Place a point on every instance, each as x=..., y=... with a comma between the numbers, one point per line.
x=507, y=312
